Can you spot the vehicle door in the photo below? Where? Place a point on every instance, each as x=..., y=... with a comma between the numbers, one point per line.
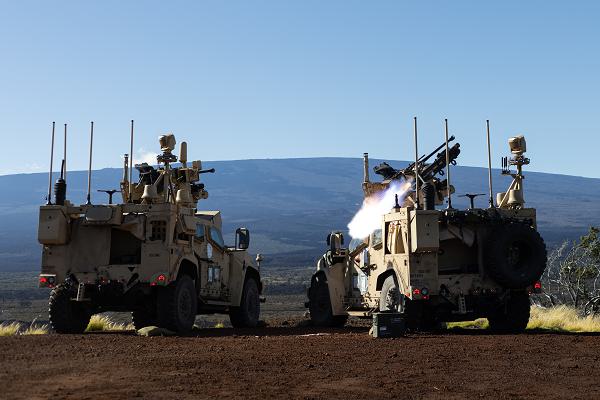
x=218, y=264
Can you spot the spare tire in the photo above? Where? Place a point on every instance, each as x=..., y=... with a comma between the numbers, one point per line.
x=514, y=255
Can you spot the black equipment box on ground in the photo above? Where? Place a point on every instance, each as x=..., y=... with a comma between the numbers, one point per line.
x=388, y=325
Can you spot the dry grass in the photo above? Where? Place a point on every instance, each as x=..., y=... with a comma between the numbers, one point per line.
x=562, y=319
x=36, y=330
x=16, y=328
x=480, y=323
x=99, y=323
x=557, y=319
x=10, y=329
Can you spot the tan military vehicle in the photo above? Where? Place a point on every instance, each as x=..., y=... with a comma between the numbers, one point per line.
x=434, y=264
x=155, y=254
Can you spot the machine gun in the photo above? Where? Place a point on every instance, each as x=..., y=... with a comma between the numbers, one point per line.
x=167, y=183
x=426, y=171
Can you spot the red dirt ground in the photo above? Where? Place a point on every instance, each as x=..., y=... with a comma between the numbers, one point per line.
x=300, y=363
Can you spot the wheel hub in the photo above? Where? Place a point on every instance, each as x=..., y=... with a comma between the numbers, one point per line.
x=185, y=304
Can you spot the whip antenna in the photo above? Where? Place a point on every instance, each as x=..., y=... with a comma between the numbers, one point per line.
x=130, y=163
x=448, y=168
x=489, y=148
x=65, y=155
x=416, y=167
x=49, y=198
x=88, y=202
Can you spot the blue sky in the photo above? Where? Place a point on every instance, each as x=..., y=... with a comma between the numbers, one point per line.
x=274, y=79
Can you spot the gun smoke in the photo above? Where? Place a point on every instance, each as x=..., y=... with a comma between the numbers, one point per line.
x=368, y=218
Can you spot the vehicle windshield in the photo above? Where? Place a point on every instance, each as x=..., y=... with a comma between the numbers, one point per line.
x=376, y=238
x=217, y=237
x=200, y=232
x=354, y=243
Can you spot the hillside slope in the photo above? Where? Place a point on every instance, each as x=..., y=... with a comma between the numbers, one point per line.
x=291, y=204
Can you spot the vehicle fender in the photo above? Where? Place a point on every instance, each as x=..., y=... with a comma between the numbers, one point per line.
x=189, y=266
x=241, y=268
x=335, y=278
x=381, y=278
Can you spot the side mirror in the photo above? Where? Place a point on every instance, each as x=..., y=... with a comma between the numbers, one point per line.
x=242, y=238
x=335, y=241
x=331, y=236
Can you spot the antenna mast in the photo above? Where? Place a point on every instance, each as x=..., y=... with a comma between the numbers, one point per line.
x=130, y=163
x=65, y=154
x=448, y=168
x=88, y=202
x=49, y=198
x=489, y=148
x=416, y=167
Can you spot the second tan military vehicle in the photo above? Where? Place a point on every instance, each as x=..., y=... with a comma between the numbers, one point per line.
x=434, y=264
x=155, y=254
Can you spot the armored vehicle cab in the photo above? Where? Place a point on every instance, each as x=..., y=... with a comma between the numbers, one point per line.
x=155, y=254
x=432, y=263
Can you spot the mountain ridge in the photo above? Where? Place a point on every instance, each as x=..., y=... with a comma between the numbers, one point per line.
x=291, y=204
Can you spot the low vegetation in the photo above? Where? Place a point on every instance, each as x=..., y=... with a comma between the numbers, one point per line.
x=557, y=319
x=9, y=329
x=103, y=323
x=480, y=323
x=562, y=319
x=572, y=277
x=17, y=328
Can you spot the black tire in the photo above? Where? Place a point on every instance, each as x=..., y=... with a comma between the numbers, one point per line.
x=514, y=256
x=390, y=298
x=321, y=313
x=66, y=315
x=142, y=317
x=177, y=305
x=247, y=315
x=513, y=316
x=427, y=321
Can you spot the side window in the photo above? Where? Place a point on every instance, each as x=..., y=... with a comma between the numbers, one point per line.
x=394, y=241
x=376, y=238
x=354, y=243
x=216, y=237
x=158, y=230
x=200, y=232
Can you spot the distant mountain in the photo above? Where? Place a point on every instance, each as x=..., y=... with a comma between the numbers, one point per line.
x=291, y=204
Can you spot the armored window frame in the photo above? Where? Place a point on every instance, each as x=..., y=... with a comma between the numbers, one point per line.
x=216, y=237
x=200, y=234
x=376, y=238
x=158, y=231
x=354, y=243
x=394, y=238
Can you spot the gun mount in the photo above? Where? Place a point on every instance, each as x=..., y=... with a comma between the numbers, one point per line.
x=426, y=172
x=167, y=184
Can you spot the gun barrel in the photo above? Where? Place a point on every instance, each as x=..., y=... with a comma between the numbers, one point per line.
x=440, y=162
x=424, y=158
x=450, y=139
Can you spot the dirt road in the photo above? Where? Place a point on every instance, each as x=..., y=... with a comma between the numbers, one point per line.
x=300, y=363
